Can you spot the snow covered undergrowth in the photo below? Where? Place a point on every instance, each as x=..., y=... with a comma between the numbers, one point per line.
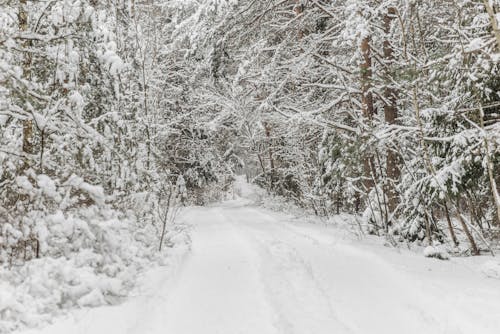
x=88, y=260
x=253, y=270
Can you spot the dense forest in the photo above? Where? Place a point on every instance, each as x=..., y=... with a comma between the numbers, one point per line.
x=124, y=110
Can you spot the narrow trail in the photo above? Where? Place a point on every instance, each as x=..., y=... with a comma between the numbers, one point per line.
x=254, y=271
x=219, y=289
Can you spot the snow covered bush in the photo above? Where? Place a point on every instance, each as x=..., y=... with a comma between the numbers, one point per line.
x=436, y=252
x=95, y=261
x=70, y=248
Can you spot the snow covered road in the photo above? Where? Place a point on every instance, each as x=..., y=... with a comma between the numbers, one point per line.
x=257, y=272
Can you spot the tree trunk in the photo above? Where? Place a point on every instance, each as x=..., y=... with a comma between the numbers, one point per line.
x=490, y=167
x=269, y=146
x=390, y=114
x=271, y=158
x=22, y=17
x=367, y=106
x=450, y=225
x=298, y=10
x=493, y=22
x=366, y=77
x=461, y=219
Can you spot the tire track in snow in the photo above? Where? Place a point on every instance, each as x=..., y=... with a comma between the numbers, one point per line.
x=297, y=297
x=359, y=280
x=219, y=290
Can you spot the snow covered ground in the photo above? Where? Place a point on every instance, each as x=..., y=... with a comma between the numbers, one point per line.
x=256, y=271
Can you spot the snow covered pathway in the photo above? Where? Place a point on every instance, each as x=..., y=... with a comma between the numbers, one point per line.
x=254, y=271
